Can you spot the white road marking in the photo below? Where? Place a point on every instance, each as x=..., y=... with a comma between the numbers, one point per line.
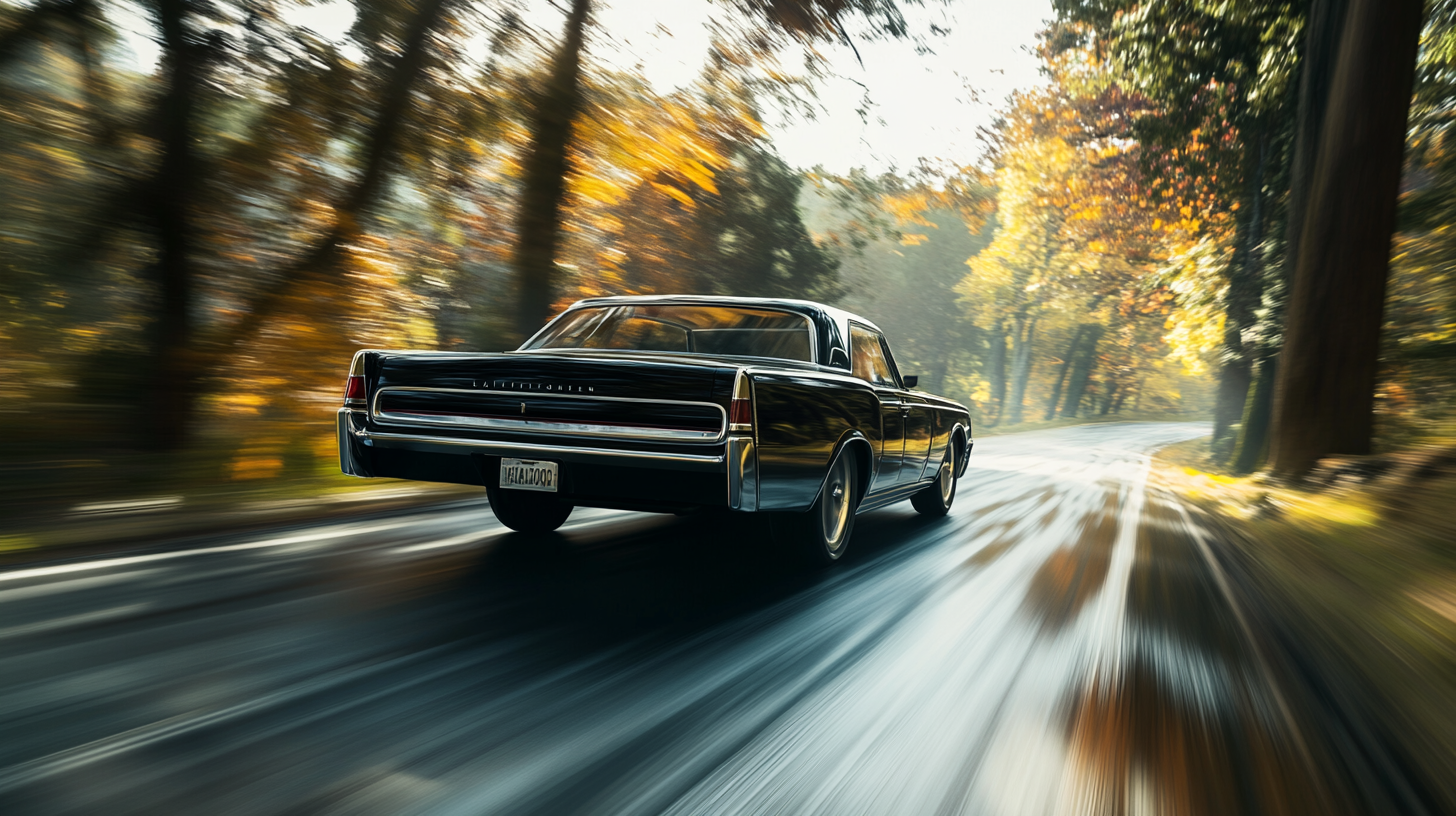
x=22, y=593
x=62, y=569
x=453, y=541
x=71, y=620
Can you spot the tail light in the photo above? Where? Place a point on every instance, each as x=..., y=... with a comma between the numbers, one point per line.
x=740, y=409
x=355, y=389
x=356, y=393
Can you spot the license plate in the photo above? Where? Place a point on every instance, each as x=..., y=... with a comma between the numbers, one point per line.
x=529, y=474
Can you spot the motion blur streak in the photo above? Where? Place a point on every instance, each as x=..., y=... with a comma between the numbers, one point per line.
x=1060, y=644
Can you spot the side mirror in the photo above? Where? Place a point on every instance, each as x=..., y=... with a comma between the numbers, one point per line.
x=911, y=380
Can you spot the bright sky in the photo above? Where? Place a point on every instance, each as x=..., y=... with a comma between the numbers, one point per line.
x=921, y=105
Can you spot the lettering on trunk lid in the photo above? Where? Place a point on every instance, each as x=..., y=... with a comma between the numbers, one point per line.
x=522, y=385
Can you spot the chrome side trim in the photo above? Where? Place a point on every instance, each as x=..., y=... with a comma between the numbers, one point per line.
x=742, y=474
x=551, y=428
x=897, y=494
x=691, y=461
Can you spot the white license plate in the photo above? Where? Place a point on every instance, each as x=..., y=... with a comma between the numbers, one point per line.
x=529, y=474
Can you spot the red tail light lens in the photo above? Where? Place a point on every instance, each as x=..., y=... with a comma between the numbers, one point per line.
x=740, y=412
x=354, y=390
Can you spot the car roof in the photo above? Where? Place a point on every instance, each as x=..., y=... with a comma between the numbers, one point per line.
x=805, y=307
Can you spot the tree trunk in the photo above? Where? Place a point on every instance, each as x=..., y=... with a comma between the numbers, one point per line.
x=1082, y=371
x=1020, y=366
x=1316, y=73
x=1112, y=390
x=169, y=405
x=545, y=168
x=998, y=371
x=1326, y=387
x=940, y=371
x=1245, y=289
x=1259, y=355
x=1121, y=398
x=1072, y=347
x=1253, y=444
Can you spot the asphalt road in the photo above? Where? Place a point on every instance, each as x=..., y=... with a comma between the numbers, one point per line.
x=1061, y=643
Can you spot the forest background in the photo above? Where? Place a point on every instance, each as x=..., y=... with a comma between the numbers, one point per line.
x=188, y=257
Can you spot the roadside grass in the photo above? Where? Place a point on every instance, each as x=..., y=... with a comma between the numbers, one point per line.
x=1366, y=572
x=101, y=498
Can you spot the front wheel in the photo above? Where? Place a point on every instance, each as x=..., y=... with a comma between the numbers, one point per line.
x=527, y=512
x=936, y=499
x=822, y=534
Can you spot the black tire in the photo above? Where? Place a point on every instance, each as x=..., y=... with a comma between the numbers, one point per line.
x=526, y=511
x=822, y=534
x=935, y=500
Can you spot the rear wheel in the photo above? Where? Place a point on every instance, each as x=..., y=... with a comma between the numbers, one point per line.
x=822, y=534
x=936, y=499
x=526, y=511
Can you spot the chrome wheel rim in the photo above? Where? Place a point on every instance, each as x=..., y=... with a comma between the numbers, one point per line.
x=947, y=479
x=835, y=505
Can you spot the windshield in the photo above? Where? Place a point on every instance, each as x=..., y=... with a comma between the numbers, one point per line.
x=697, y=329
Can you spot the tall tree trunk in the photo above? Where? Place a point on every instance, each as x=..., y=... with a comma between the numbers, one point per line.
x=1122, y=397
x=1082, y=371
x=1326, y=387
x=169, y=403
x=1253, y=444
x=1112, y=390
x=1072, y=347
x=998, y=371
x=1245, y=289
x=940, y=371
x=1316, y=74
x=1020, y=366
x=546, y=166
x=1256, y=421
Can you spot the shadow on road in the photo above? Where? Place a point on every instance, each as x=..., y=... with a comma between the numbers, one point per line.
x=669, y=575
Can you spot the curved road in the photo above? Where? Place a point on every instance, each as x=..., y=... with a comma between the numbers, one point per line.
x=1061, y=643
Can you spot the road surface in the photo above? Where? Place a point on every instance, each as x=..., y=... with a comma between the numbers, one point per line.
x=1061, y=643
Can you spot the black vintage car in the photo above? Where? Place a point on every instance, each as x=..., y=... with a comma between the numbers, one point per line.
x=784, y=408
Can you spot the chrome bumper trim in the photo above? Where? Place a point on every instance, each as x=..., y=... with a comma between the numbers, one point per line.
x=348, y=434
x=629, y=458
x=742, y=474
x=529, y=425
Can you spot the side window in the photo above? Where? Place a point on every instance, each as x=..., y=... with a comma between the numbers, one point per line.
x=869, y=361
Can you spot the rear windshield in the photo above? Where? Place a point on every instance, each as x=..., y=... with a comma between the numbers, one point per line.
x=682, y=328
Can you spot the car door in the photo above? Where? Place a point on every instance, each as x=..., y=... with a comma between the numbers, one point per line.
x=917, y=424
x=869, y=363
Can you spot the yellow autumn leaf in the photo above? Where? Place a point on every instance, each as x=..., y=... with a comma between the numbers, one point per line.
x=699, y=174
x=675, y=193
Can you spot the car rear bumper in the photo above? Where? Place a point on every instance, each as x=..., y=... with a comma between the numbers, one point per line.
x=727, y=477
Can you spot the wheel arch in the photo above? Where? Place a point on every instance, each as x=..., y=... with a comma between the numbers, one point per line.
x=855, y=443
x=959, y=441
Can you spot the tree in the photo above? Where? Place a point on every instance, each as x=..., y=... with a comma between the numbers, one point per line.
x=1219, y=75
x=556, y=106
x=1078, y=235
x=742, y=235
x=545, y=170
x=1327, y=382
